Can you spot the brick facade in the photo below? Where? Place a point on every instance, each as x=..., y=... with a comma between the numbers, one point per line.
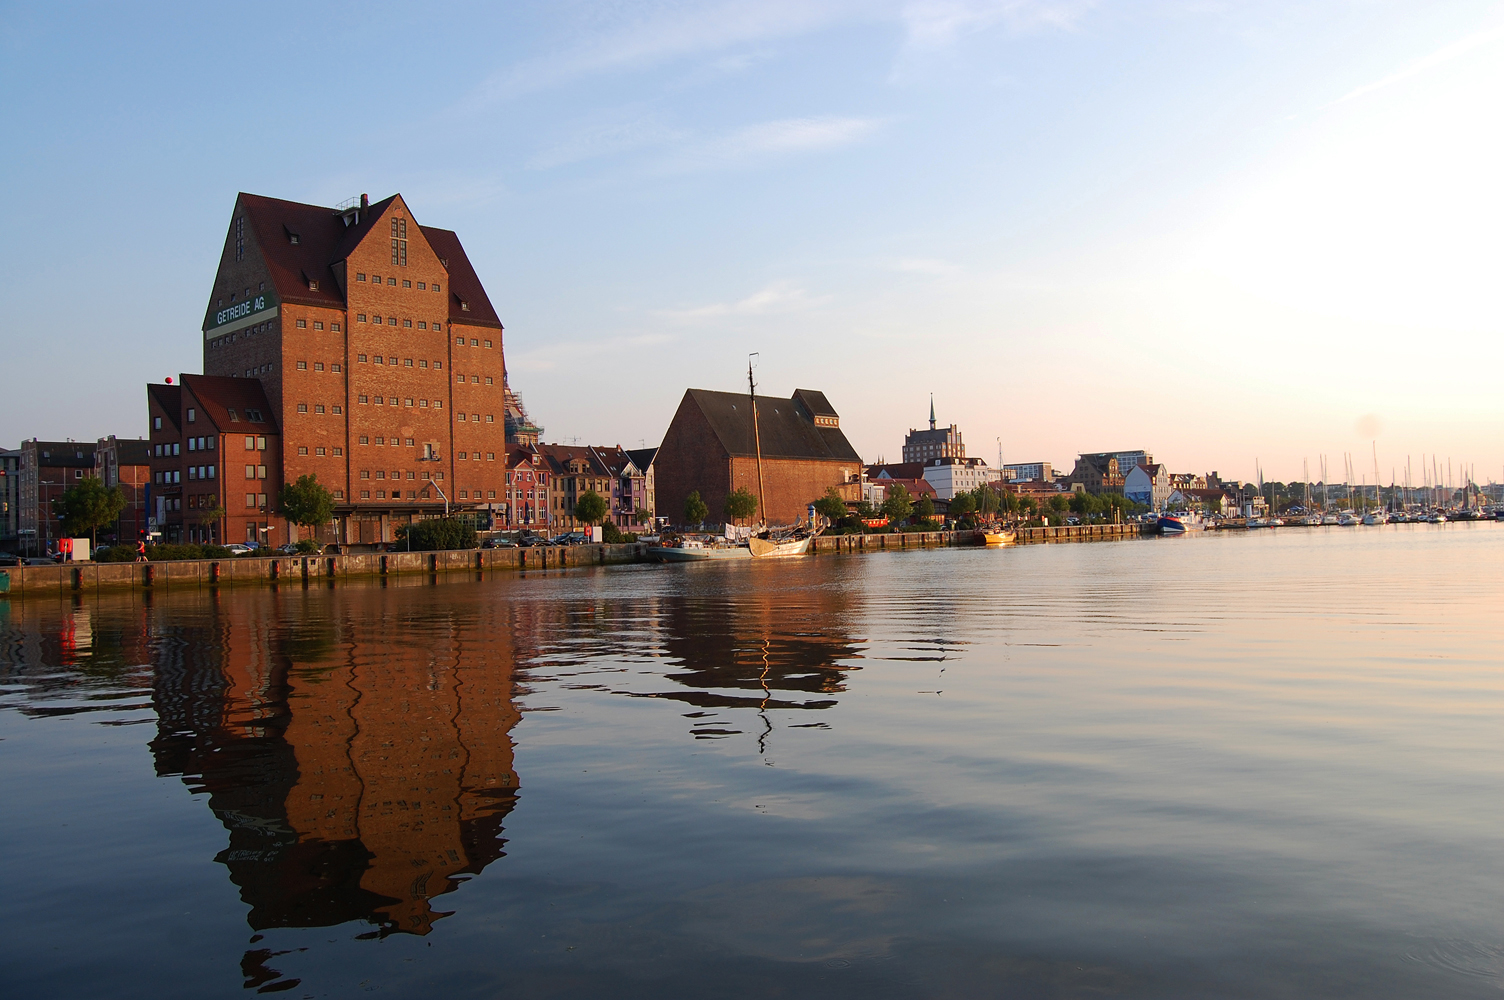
x=379, y=354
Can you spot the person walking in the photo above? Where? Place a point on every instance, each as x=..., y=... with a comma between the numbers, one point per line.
x=140, y=551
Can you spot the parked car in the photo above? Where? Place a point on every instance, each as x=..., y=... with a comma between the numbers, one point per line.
x=498, y=543
x=571, y=538
x=239, y=549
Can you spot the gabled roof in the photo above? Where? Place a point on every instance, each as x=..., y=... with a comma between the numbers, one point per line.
x=916, y=487
x=815, y=403
x=643, y=457
x=323, y=240
x=219, y=395
x=169, y=398
x=896, y=470
x=465, y=288
x=784, y=431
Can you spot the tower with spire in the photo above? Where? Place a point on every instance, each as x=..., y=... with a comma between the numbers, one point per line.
x=937, y=442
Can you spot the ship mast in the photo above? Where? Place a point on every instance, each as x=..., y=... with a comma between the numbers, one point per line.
x=756, y=438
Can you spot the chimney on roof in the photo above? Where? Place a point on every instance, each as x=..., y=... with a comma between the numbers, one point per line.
x=365, y=201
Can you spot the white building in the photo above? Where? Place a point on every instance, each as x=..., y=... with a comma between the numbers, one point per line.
x=950, y=476
x=1148, y=484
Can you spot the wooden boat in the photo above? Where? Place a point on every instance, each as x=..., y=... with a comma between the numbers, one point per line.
x=999, y=536
x=766, y=548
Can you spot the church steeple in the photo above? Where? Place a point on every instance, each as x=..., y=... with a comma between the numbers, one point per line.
x=932, y=411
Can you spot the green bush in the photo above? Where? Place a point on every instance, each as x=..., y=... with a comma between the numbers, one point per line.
x=438, y=533
x=924, y=524
x=612, y=535
x=308, y=546
x=116, y=553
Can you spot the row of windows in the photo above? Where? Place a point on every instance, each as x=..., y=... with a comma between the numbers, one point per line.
x=255, y=472
x=201, y=443
x=251, y=331
x=406, y=362
x=474, y=379
x=255, y=442
x=406, y=282
x=438, y=404
x=474, y=342
x=320, y=450
x=164, y=478
x=397, y=474
x=164, y=450
x=318, y=366
x=200, y=472
x=392, y=321
x=319, y=408
x=318, y=324
x=475, y=417
x=258, y=370
x=490, y=495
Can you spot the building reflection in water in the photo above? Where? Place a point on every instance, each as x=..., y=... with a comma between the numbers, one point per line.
x=362, y=766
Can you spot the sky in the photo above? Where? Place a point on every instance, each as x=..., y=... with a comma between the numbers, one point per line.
x=1240, y=236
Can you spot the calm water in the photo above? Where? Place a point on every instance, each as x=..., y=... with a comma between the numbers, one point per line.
x=1267, y=764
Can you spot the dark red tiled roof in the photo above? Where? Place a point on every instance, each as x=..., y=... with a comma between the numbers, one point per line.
x=218, y=395
x=465, y=288
x=324, y=240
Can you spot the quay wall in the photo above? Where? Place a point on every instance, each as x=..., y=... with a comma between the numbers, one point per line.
x=90, y=577
x=87, y=577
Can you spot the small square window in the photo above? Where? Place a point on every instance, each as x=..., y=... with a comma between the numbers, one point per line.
x=407, y=362
x=464, y=495
x=302, y=324
x=375, y=279
x=302, y=407
x=339, y=494
x=438, y=364
x=391, y=281
x=488, y=343
x=365, y=473
x=364, y=398
x=380, y=360
x=490, y=418
x=318, y=451
x=488, y=380
x=490, y=494
x=436, y=286
x=459, y=341
x=490, y=456
x=459, y=416
x=318, y=407
x=360, y=276
x=422, y=362
x=475, y=379
x=338, y=451
x=302, y=449
x=365, y=494
x=422, y=324
x=334, y=328
x=406, y=283
x=409, y=444
x=335, y=368
x=408, y=324
x=391, y=321
x=410, y=475
x=438, y=404
x=358, y=357
x=318, y=366
x=338, y=409
x=409, y=401
x=474, y=342
x=360, y=317
x=391, y=361
x=381, y=494
x=302, y=366
x=319, y=325
x=364, y=439
x=422, y=402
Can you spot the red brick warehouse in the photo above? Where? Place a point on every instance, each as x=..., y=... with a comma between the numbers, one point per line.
x=380, y=358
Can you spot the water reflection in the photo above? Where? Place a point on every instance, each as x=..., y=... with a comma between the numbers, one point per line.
x=359, y=776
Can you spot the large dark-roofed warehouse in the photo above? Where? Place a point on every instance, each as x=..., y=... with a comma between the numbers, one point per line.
x=710, y=447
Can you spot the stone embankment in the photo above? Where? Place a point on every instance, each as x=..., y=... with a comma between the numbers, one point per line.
x=89, y=577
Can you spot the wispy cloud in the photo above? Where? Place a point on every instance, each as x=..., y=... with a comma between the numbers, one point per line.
x=753, y=144
x=664, y=32
x=1443, y=55
x=547, y=357
x=605, y=139
x=779, y=297
x=933, y=24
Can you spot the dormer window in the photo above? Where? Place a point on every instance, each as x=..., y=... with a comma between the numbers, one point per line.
x=234, y=417
x=464, y=306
